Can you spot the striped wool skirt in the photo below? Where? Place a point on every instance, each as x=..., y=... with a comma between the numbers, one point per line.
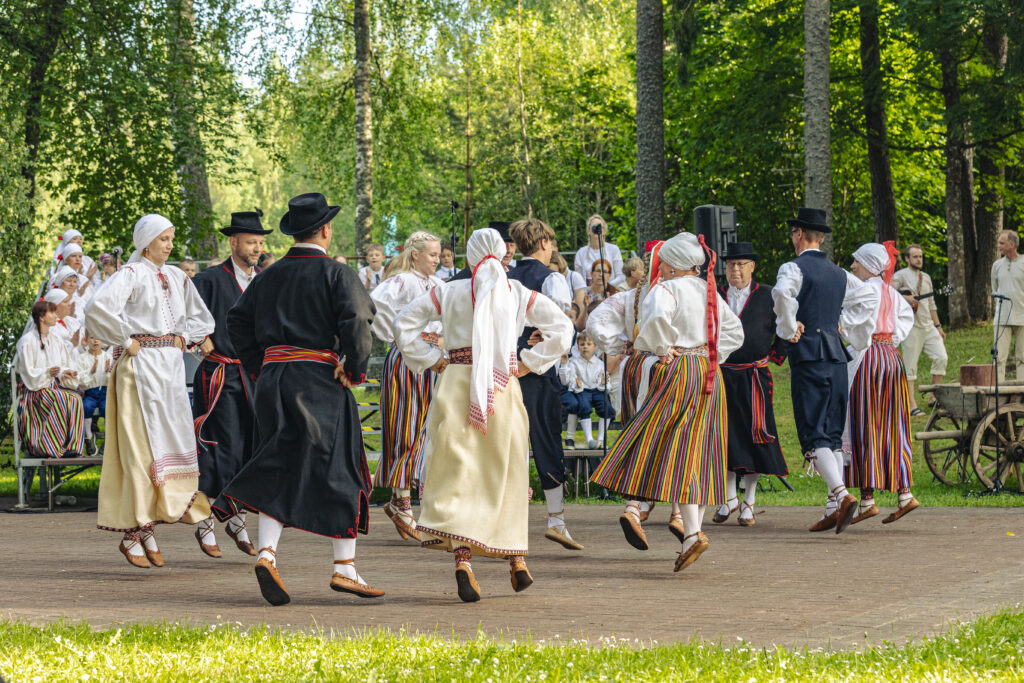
x=51, y=421
x=404, y=399
x=879, y=416
x=636, y=373
x=673, y=449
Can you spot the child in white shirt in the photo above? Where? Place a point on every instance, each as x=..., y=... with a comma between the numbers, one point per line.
x=447, y=270
x=587, y=380
x=94, y=365
x=372, y=273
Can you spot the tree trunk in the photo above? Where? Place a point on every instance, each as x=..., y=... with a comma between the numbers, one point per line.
x=527, y=189
x=468, y=203
x=650, y=123
x=190, y=157
x=958, y=194
x=883, y=200
x=52, y=25
x=364, y=127
x=817, y=137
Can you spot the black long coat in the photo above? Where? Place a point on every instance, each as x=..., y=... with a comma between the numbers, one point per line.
x=308, y=470
x=745, y=454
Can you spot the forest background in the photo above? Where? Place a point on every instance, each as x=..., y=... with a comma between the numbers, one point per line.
x=196, y=108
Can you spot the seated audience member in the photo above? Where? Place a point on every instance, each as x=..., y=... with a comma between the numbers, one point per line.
x=94, y=366
x=71, y=257
x=588, y=381
x=108, y=262
x=49, y=410
x=67, y=280
x=67, y=328
x=586, y=256
x=570, y=405
x=188, y=266
x=446, y=270
x=633, y=271
x=372, y=274
x=600, y=287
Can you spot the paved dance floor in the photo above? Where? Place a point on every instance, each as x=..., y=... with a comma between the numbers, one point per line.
x=774, y=583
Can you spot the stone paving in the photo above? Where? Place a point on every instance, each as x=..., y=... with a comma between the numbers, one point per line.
x=762, y=584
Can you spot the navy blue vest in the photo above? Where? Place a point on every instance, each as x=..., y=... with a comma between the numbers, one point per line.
x=821, y=302
x=530, y=273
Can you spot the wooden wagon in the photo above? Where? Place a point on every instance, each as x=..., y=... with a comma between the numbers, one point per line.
x=964, y=428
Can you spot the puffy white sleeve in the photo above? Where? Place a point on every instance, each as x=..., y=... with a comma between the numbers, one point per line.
x=787, y=286
x=555, y=329
x=556, y=288
x=565, y=373
x=607, y=324
x=199, y=321
x=103, y=314
x=409, y=324
x=656, y=332
x=904, y=318
x=387, y=298
x=730, y=330
x=32, y=364
x=860, y=312
x=84, y=362
x=615, y=256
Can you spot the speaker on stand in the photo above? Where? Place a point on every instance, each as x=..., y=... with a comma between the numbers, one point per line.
x=718, y=225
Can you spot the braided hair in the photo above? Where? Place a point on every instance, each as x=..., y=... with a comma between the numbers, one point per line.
x=39, y=309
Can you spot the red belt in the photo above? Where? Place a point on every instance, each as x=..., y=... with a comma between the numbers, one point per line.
x=757, y=402
x=463, y=356
x=213, y=390
x=882, y=339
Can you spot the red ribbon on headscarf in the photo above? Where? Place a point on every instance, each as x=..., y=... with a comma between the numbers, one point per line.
x=885, y=311
x=472, y=278
x=655, y=264
x=711, y=318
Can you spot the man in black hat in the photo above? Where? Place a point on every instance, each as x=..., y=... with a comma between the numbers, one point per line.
x=814, y=299
x=308, y=470
x=753, y=439
x=510, y=250
x=222, y=391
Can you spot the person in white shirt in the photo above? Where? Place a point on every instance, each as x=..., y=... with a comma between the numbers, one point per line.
x=1008, y=283
x=151, y=312
x=597, y=232
x=49, y=409
x=447, y=270
x=673, y=449
x=586, y=378
x=404, y=394
x=372, y=274
x=927, y=334
x=88, y=269
x=476, y=477
x=67, y=279
x=577, y=287
x=94, y=365
x=67, y=328
x=878, y=426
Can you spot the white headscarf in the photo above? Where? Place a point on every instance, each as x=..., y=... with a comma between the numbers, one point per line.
x=62, y=274
x=56, y=296
x=65, y=240
x=494, y=324
x=147, y=229
x=872, y=256
x=68, y=250
x=683, y=251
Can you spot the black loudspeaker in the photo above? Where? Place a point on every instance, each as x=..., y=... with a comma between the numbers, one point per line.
x=718, y=225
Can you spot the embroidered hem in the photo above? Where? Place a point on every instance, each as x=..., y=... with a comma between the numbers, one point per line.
x=150, y=525
x=438, y=543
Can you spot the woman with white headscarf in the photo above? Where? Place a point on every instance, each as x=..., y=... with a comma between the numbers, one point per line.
x=475, y=472
x=878, y=420
x=150, y=312
x=65, y=278
x=88, y=268
x=673, y=449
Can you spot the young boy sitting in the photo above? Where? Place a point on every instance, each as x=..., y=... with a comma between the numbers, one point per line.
x=94, y=365
x=373, y=272
x=588, y=381
x=447, y=269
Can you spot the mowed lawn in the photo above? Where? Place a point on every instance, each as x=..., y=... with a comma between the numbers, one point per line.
x=970, y=345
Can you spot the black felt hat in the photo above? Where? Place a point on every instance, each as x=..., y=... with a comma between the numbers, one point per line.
x=741, y=250
x=307, y=212
x=812, y=219
x=502, y=228
x=247, y=222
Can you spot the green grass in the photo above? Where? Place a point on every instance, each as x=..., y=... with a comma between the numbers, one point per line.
x=971, y=345
x=989, y=649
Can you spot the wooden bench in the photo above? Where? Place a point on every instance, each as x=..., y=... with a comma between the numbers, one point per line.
x=57, y=472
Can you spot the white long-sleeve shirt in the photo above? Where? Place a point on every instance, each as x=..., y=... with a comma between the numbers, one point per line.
x=590, y=374
x=856, y=319
x=673, y=314
x=394, y=294
x=586, y=256
x=93, y=371
x=556, y=288
x=34, y=363
x=1008, y=280
x=371, y=278
x=611, y=324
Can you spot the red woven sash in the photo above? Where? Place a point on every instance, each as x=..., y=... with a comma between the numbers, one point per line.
x=757, y=401
x=290, y=354
x=212, y=391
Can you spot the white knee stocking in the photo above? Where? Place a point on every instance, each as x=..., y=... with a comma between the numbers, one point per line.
x=750, y=487
x=692, y=517
x=570, y=426
x=269, y=534
x=237, y=526
x=588, y=430
x=345, y=549
x=553, y=498
x=602, y=426
x=825, y=464
x=730, y=485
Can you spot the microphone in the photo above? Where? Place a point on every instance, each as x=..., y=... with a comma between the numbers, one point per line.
x=1000, y=296
x=454, y=204
x=596, y=228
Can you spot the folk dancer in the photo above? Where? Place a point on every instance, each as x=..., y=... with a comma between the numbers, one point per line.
x=879, y=414
x=476, y=471
x=673, y=449
x=510, y=251
x=753, y=438
x=614, y=325
x=150, y=312
x=813, y=299
x=222, y=410
x=405, y=395
x=308, y=469
x=542, y=392
x=927, y=333
x=49, y=409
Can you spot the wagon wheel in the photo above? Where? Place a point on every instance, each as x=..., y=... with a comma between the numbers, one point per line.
x=948, y=459
x=1005, y=426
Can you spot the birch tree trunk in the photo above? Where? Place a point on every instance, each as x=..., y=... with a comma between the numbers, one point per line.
x=650, y=124
x=364, y=127
x=817, y=136
x=527, y=189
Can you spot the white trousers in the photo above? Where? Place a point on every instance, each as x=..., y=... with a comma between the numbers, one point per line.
x=1007, y=332
x=929, y=340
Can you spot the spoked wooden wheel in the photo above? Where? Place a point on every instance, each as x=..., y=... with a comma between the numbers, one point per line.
x=1004, y=426
x=948, y=456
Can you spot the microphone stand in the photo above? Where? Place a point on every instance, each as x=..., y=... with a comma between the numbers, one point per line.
x=997, y=480
x=596, y=229
x=454, y=238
